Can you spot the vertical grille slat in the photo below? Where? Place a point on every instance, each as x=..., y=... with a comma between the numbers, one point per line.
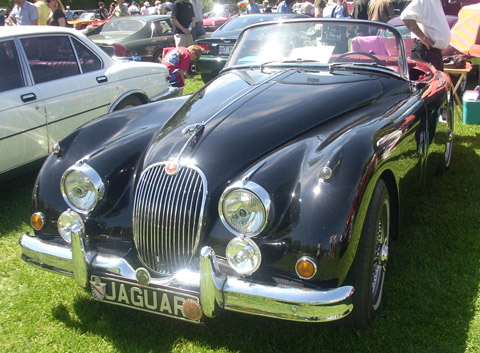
x=167, y=217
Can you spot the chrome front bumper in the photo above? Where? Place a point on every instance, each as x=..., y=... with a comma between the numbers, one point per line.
x=217, y=291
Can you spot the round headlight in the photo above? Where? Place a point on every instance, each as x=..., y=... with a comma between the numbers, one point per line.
x=243, y=211
x=66, y=222
x=243, y=255
x=82, y=187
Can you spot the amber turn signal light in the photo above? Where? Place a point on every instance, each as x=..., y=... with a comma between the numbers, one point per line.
x=37, y=220
x=306, y=267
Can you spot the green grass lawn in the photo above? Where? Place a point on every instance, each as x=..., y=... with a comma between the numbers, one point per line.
x=431, y=302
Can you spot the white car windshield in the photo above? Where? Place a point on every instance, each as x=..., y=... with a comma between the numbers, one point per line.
x=321, y=42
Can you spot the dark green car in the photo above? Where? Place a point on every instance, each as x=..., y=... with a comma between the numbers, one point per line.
x=141, y=37
x=217, y=47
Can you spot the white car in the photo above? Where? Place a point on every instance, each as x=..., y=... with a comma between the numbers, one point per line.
x=52, y=80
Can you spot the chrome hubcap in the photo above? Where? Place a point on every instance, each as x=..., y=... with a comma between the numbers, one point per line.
x=381, y=253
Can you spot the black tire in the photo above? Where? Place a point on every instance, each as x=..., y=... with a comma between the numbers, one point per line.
x=371, y=258
x=157, y=57
x=129, y=102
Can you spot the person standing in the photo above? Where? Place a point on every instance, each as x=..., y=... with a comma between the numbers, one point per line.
x=183, y=19
x=198, y=31
x=57, y=14
x=177, y=60
x=23, y=14
x=144, y=9
x=43, y=12
x=266, y=7
x=426, y=20
x=318, y=7
x=334, y=9
x=285, y=6
x=102, y=10
x=120, y=10
x=360, y=10
x=252, y=7
x=69, y=14
x=380, y=10
x=133, y=9
x=2, y=17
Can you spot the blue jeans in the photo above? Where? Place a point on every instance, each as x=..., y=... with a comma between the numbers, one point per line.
x=198, y=30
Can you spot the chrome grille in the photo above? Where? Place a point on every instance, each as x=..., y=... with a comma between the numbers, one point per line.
x=167, y=217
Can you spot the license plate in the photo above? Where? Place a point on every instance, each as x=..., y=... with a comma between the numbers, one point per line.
x=161, y=301
x=224, y=49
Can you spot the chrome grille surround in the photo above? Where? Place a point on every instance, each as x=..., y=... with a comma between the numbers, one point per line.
x=167, y=216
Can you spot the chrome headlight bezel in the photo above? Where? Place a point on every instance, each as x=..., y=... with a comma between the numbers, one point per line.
x=94, y=179
x=243, y=255
x=257, y=191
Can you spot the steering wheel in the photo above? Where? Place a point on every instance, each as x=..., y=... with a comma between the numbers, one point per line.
x=371, y=56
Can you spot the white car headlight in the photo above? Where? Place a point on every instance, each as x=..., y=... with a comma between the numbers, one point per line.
x=82, y=187
x=244, y=209
x=243, y=255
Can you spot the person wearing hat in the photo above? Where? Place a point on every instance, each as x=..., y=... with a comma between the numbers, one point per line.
x=144, y=9
x=68, y=13
x=133, y=9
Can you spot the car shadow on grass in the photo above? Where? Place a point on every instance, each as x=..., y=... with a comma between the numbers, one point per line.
x=429, y=298
x=15, y=195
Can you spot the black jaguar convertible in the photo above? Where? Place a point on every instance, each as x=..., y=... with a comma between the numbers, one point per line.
x=274, y=190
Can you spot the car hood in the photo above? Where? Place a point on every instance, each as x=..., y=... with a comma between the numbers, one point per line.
x=243, y=119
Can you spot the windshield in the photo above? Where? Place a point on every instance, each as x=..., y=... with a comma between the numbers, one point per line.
x=122, y=26
x=244, y=21
x=324, y=42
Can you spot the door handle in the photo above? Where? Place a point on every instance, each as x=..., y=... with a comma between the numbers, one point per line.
x=28, y=97
x=102, y=79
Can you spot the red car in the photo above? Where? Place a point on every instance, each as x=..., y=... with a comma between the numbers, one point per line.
x=219, y=15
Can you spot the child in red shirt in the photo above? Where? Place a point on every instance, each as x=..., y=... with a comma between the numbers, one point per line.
x=177, y=60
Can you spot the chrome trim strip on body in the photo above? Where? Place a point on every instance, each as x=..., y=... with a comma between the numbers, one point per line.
x=217, y=290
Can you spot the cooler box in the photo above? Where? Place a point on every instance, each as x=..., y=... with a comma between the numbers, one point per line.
x=471, y=107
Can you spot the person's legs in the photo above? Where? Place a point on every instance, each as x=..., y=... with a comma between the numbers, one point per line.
x=433, y=56
x=183, y=40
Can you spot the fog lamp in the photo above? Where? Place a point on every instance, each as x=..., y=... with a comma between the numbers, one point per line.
x=306, y=267
x=37, y=220
x=68, y=222
x=243, y=255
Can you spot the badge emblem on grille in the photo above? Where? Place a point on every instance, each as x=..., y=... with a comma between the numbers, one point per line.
x=99, y=289
x=172, y=168
x=143, y=277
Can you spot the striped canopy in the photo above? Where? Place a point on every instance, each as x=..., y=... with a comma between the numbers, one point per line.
x=465, y=35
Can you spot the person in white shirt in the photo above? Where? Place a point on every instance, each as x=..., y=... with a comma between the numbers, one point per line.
x=427, y=21
x=133, y=9
x=144, y=9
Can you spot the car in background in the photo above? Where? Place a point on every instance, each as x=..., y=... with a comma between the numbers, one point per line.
x=217, y=46
x=84, y=20
x=219, y=15
x=53, y=80
x=276, y=190
x=143, y=37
